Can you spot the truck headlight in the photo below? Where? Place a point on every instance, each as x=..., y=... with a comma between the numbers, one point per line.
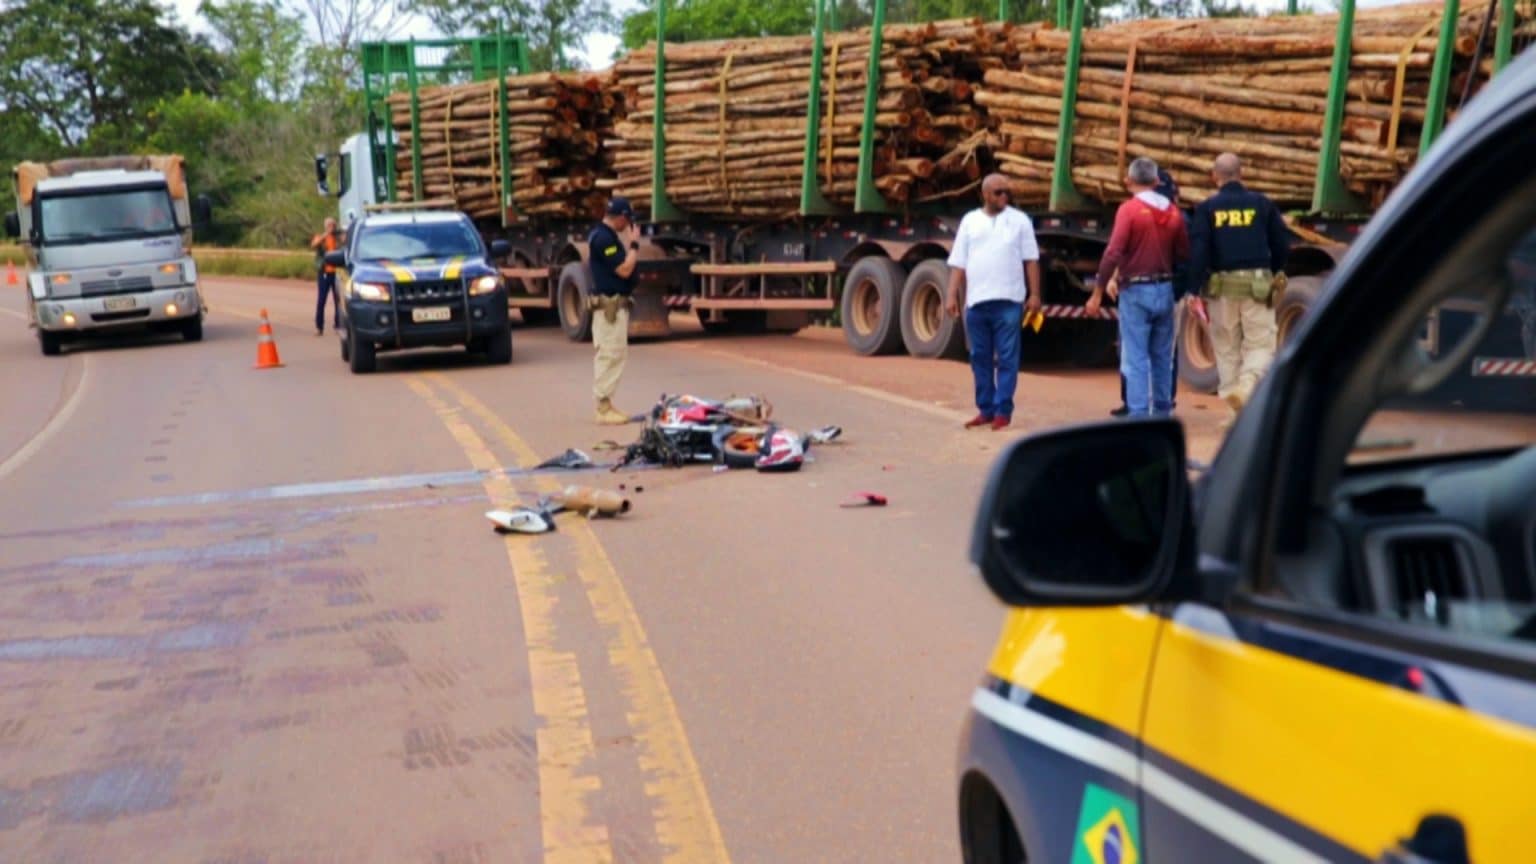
x=370, y=291
x=484, y=285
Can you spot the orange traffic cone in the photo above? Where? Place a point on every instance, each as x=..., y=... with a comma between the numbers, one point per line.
x=266, y=349
x=10, y=274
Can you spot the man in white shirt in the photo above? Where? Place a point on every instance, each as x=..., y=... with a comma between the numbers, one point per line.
x=995, y=274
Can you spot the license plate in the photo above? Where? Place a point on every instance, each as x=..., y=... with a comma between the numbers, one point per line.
x=432, y=313
x=117, y=304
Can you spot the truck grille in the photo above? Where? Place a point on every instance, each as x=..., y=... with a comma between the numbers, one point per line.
x=116, y=286
x=435, y=291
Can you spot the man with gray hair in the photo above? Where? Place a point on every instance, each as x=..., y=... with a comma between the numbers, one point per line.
x=1148, y=239
x=1239, y=244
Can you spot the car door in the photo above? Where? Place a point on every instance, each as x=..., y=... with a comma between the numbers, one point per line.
x=1368, y=687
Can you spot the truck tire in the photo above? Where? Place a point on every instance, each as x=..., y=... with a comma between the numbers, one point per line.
x=926, y=329
x=1197, y=359
x=52, y=343
x=192, y=329
x=364, y=358
x=346, y=349
x=572, y=293
x=498, y=349
x=871, y=306
x=1300, y=295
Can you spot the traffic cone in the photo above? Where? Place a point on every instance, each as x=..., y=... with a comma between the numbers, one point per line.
x=10, y=274
x=266, y=349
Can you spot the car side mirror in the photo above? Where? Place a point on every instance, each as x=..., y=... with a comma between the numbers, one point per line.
x=202, y=211
x=1089, y=516
x=322, y=182
x=500, y=249
x=336, y=258
x=12, y=225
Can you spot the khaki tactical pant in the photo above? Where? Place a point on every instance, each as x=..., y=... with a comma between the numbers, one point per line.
x=1243, y=335
x=610, y=334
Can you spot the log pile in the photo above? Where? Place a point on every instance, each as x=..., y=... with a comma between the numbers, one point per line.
x=956, y=99
x=1183, y=91
x=557, y=123
x=736, y=117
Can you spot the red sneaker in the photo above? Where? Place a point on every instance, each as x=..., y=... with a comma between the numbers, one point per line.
x=978, y=420
x=1000, y=423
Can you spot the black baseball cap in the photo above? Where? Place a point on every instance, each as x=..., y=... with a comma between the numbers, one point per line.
x=618, y=205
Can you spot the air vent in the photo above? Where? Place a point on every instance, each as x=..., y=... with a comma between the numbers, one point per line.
x=1428, y=574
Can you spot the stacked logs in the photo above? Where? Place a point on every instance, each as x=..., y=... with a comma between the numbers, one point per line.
x=1183, y=91
x=735, y=113
x=557, y=124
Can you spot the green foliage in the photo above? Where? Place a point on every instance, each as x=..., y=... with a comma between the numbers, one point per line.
x=555, y=28
x=90, y=70
x=264, y=44
x=232, y=262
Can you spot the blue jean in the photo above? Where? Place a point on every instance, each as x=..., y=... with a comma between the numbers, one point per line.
x=1146, y=347
x=994, y=328
x=327, y=284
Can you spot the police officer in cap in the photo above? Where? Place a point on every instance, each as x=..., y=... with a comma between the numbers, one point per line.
x=1239, y=243
x=613, y=253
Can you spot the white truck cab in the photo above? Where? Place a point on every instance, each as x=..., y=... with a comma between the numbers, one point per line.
x=108, y=244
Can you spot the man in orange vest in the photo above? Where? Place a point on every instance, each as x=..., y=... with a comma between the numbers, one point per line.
x=330, y=241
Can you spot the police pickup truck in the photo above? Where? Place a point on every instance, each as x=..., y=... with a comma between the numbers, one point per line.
x=419, y=279
x=1323, y=648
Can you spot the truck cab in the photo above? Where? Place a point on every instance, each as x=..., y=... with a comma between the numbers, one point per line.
x=108, y=250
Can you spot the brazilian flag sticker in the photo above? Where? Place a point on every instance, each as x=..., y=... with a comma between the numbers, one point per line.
x=1106, y=829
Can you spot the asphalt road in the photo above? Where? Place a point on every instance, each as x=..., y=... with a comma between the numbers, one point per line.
x=259, y=616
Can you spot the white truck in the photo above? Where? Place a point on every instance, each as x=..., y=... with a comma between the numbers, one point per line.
x=107, y=241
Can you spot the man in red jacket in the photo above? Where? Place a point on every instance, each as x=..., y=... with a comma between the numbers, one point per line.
x=1148, y=239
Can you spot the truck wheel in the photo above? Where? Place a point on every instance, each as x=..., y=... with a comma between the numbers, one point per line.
x=925, y=328
x=346, y=349
x=498, y=349
x=538, y=317
x=52, y=343
x=1197, y=359
x=1300, y=294
x=192, y=330
x=363, y=359
x=574, y=289
x=871, y=298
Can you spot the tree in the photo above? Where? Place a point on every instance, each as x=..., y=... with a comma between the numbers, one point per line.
x=265, y=45
x=555, y=29
x=89, y=70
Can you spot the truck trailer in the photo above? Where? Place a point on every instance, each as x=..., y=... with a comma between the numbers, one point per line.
x=874, y=266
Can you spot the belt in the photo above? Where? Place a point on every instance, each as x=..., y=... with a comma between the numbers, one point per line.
x=1256, y=272
x=1150, y=278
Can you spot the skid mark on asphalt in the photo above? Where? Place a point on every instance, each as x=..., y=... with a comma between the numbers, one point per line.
x=680, y=805
x=564, y=738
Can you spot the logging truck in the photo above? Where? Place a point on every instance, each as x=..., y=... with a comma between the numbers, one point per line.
x=859, y=246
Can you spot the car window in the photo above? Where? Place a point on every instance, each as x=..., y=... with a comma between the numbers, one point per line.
x=1449, y=545
x=416, y=240
x=1488, y=397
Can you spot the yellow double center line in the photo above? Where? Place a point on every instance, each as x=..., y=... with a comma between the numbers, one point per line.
x=684, y=820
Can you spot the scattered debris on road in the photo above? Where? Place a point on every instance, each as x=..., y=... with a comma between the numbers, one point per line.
x=540, y=518
x=730, y=433
x=571, y=459
x=865, y=499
